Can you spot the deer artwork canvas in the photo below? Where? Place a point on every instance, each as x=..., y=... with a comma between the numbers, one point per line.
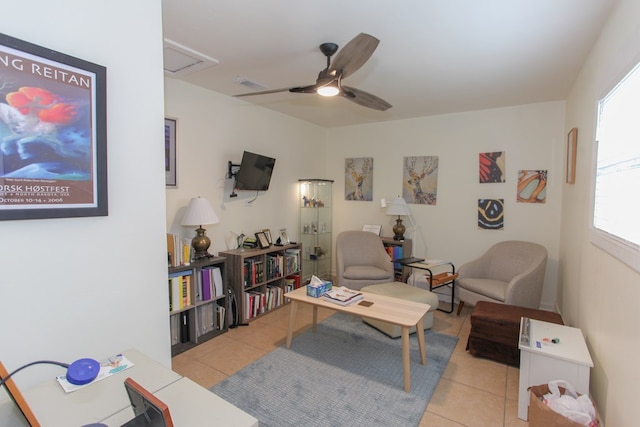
x=420, y=180
x=358, y=179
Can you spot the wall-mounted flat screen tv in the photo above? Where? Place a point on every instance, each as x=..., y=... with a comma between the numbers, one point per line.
x=255, y=172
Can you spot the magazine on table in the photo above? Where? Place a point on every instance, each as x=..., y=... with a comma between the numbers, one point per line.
x=342, y=295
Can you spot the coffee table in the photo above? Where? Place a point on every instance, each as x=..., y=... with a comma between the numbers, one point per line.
x=405, y=314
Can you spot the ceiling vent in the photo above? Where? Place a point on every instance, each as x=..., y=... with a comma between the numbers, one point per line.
x=249, y=83
x=180, y=60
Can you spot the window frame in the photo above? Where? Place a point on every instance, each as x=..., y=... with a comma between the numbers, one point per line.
x=626, y=251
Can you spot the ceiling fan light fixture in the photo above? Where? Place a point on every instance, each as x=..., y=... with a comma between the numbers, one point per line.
x=328, y=90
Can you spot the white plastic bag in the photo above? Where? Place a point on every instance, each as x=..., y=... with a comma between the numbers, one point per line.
x=577, y=408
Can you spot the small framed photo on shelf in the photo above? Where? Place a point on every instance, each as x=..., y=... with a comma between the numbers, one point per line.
x=267, y=233
x=284, y=238
x=373, y=228
x=262, y=240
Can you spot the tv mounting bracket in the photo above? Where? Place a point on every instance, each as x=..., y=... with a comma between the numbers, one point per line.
x=233, y=174
x=230, y=171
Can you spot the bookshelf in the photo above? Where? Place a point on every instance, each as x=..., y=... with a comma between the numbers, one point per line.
x=260, y=277
x=198, y=301
x=398, y=249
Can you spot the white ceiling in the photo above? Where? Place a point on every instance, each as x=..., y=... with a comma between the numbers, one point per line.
x=434, y=56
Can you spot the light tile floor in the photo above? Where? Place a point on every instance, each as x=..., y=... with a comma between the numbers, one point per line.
x=472, y=391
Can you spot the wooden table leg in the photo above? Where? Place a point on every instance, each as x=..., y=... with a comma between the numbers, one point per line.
x=421, y=343
x=406, y=362
x=292, y=321
x=315, y=319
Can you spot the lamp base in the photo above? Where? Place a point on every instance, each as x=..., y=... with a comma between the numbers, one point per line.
x=399, y=229
x=201, y=244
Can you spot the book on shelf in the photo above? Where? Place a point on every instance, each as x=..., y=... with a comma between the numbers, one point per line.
x=175, y=329
x=184, y=327
x=205, y=282
x=179, y=251
x=205, y=318
x=342, y=295
x=221, y=315
x=217, y=281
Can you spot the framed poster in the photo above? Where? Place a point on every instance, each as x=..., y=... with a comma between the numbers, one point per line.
x=53, y=134
x=170, y=152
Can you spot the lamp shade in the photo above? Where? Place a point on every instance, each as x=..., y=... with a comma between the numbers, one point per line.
x=397, y=206
x=199, y=212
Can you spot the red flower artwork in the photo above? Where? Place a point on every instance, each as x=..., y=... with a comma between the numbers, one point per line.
x=45, y=105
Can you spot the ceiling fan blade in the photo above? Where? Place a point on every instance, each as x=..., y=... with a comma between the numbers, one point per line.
x=354, y=54
x=304, y=89
x=264, y=92
x=365, y=99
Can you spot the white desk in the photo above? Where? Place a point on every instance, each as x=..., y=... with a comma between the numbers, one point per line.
x=542, y=362
x=107, y=400
x=191, y=405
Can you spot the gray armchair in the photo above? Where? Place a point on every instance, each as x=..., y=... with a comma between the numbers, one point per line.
x=510, y=272
x=361, y=260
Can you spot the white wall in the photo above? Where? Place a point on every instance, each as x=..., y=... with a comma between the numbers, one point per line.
x=90, y=287
x=600, y=294
x=532, y=137
x=214, y=129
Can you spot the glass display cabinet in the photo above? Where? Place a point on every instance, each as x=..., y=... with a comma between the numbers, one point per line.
x=315, y=227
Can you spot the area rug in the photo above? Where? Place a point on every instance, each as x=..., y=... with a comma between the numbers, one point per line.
x=346, y=373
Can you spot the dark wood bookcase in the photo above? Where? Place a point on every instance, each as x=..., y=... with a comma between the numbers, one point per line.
x=260, y=277
x=203, y=314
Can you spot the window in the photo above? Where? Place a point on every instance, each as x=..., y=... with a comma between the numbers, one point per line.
x=616, y=207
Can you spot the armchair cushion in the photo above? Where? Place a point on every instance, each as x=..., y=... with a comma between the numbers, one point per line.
x=363, y=272
x=491, y=288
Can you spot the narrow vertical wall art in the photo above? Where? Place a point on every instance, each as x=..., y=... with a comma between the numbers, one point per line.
x=420, y=180
x=492, y=167
x=358, y=179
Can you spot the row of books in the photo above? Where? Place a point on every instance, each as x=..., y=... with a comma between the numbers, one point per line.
x=257, y=303
x=178, y=250
x=395, y=252
x=210, y=284
x=291, y=283
x=292, y=260
x=253, y=272
x=211, y=317
x=254, y=303
x=179, y=291
x=180, y=326
x=275, y=266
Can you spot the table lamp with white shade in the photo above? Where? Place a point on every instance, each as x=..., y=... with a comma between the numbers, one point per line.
x=199, y=213
x=399, y=207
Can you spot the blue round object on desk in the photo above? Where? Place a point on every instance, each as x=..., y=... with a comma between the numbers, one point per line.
x=83, y=371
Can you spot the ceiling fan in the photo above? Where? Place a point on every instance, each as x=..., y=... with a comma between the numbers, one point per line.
x=329, y=82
